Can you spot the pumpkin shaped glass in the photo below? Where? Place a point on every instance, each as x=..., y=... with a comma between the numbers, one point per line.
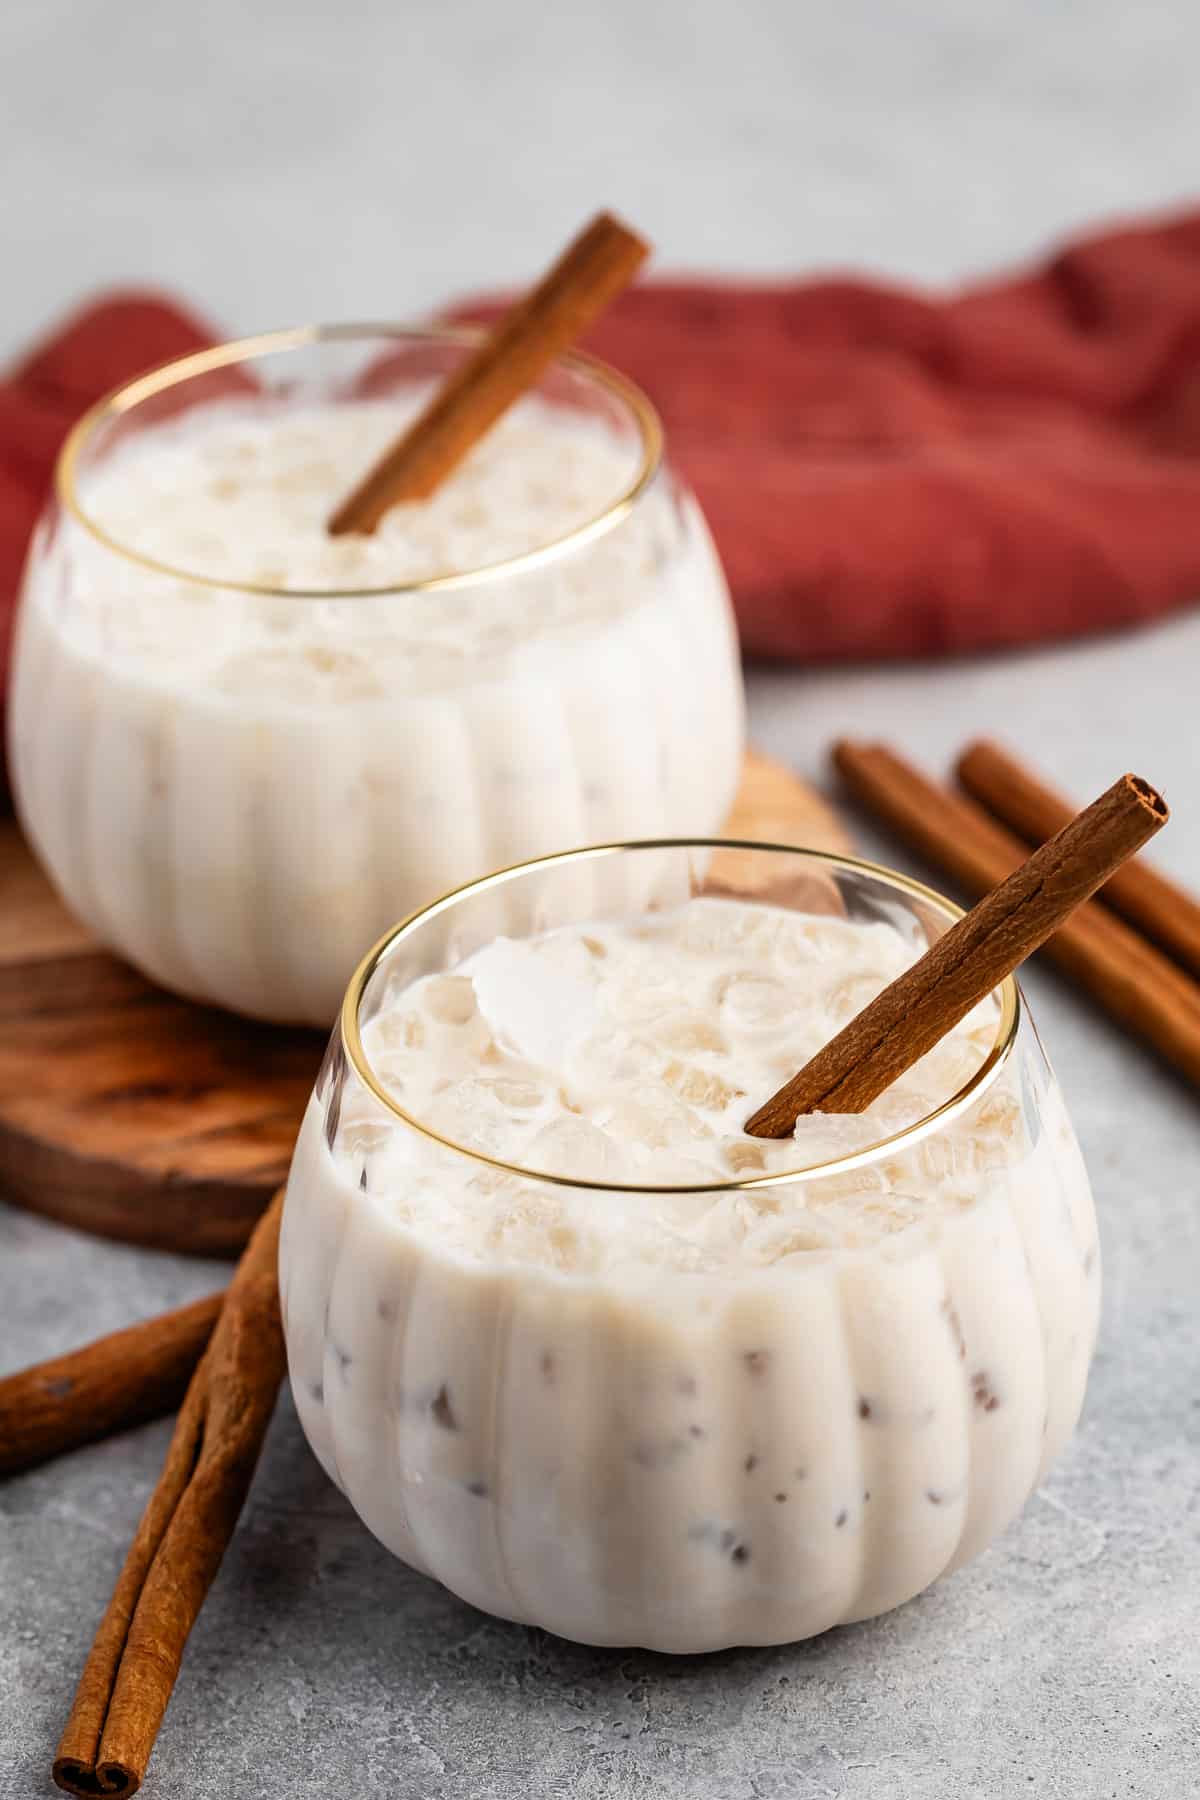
x=685, y=1457
x=241, y=747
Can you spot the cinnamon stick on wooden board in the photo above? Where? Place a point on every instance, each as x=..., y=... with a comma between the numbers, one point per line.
x=1165, y=913
x=592, y=270
x=962, y=967
x=1138, y=986
x=177, y=1549
x=117, y=1381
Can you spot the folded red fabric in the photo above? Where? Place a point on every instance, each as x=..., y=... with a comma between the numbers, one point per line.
x=889, y=474
x=886, y=474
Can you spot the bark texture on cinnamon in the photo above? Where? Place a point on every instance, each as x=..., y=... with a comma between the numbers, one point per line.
x=115, y=1382
x=964, y=965
x=1135, y=983
x=175, y=1554
x=1167, y=914
x=593, y=270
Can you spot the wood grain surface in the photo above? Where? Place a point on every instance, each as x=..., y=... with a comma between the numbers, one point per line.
x=134, y=1114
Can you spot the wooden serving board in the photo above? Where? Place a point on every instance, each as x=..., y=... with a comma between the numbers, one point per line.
x=129, y=1112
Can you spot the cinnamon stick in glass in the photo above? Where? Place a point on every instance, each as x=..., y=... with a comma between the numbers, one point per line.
x=117, y=1381
x=593, y=270
x=1165, y=913
x=177, y=1549
x=963, y=966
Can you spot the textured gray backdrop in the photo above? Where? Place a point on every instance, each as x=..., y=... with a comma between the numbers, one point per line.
x=278, y=163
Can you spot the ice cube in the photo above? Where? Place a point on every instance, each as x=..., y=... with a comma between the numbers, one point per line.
x=364, y=1125
x=823, y=1137
x=393, y=1069
x=981, y=1022
x=360, y=1137
x=395, y=1031
x=867, y=1217
x=776, y=1239
x=999, y=1115
x=677, y=1218
x=669, y=1169
x=847, y=998
x=998, y=1131
x=644, y=997
x=468, y=1113
x=614, y=1056
x=811, y=938
x=754, y=1003
x=876, y=946
x=745, y=1156
x=855, y=1185
x=450, y=999
x=516, y=1093
x=947, y=1067
x=495, y=1183
x=701, y=1087
x=537, y=1004
x=801, y=1045
x=943, y=1157
x=713, y=927
x=576, y=1148
x=450, y=1019
x=653, y=1119
x=688, y=1031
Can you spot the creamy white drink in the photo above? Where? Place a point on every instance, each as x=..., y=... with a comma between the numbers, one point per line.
x=238, y=785
x=646, y=1413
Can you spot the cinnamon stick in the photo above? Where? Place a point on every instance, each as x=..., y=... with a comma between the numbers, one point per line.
x=1168, y=915
x=177, y=1549
x=115, y=1382
x=593, y=270
x=914, y=1012
x=1135, y=983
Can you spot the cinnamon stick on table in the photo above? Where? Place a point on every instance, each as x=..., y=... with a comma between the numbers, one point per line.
x=593, y=270
x=1142, y=989
x=963, y=966
x=117, y=1381
x=1165, y=913
x=177, y=1549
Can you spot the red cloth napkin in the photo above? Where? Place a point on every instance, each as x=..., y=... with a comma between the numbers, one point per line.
x=889, y=474
x=886, y=474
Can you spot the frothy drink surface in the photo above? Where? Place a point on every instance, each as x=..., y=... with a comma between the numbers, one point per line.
x=634, y=1053
x=243, y=496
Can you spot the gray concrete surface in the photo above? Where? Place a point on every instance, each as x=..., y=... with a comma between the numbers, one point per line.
x=282, y=162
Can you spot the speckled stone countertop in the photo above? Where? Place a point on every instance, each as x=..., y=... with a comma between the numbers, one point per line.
x=198, y=149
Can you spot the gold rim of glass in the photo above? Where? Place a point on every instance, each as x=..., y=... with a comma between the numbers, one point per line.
x=971, y=1090
x=131, y=394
